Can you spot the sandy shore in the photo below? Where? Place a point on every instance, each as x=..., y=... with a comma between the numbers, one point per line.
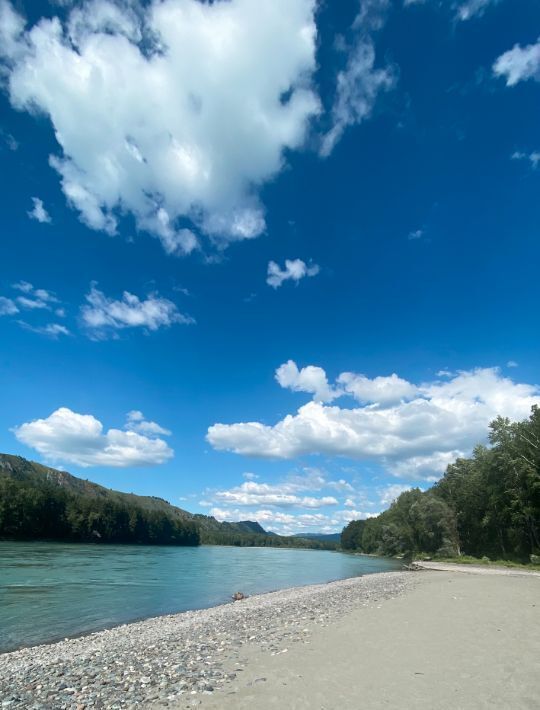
x=455, y=640
x=434, y=640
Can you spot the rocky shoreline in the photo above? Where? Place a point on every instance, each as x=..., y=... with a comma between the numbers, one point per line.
x=170, y=661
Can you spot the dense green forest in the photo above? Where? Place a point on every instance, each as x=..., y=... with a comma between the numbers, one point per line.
x=42, y=503
x=486, y=505
x=30, y=510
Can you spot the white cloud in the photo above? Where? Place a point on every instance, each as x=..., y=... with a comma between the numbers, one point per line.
x=34, y=298
x=295, y=269
x=416, y=438
x=287, y=494
x=388, y=494
x=379, y=390
x=360, y=82
x=250, y=493
x=473, y=8
x=137, y=422
x=309, y=379
x=312, y=379
x=416, y=234
x=533, y=158
x=175, y=112
x=519, y=64
x=250, y=476
x=79, y=439
x=9, y=141
x=38, y=212
x=103, y=316
x=464, y=10
x=342, y=486
x=23, y=286
x=512, y=363
x=346, y=516
x=289, y=523
x=53, y=330
x=8, y=307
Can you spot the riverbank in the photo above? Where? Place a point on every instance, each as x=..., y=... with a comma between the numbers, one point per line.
x=426, y=640
x=175, y=660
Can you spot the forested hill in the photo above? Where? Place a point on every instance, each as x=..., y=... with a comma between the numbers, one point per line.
x=487, y=505
x=41, y=503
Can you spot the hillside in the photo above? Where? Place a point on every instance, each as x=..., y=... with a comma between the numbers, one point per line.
x=39, y=502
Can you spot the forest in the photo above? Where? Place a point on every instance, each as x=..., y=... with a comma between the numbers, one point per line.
x=42, y=503
x=30, y=511
x=485, y=505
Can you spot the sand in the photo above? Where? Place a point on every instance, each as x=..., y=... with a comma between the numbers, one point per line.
x=453, y=641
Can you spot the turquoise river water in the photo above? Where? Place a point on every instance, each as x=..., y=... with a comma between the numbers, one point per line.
x=52, y=590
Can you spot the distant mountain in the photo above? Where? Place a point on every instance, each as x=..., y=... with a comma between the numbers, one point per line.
x=39, y=502
x=251, y=526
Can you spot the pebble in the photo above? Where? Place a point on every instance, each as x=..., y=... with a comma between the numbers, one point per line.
x=161, y=662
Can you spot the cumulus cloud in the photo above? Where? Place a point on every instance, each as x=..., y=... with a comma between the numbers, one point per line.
x=309, y=379
x=104, y=316
x=414, y=437
x=361, y=81
x=38, y=212
x=312, y=379
x=173, y=111
x=70, y=438
x=379, y=390
x=519, y=64
x=295, y=269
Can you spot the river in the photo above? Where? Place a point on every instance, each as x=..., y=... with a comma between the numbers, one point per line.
x=49, y=591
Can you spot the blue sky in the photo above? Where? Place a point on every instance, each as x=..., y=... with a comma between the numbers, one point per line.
x=268, y=259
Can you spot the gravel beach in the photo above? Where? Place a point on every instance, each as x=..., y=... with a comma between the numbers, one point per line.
x=177, y=660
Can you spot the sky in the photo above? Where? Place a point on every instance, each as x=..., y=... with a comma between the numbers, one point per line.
x=267, y=259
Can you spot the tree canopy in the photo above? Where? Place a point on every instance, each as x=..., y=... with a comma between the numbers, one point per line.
x=488, y=504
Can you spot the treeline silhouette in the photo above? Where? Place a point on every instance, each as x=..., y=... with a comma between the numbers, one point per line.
x=486, y=505
x=213, y=537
